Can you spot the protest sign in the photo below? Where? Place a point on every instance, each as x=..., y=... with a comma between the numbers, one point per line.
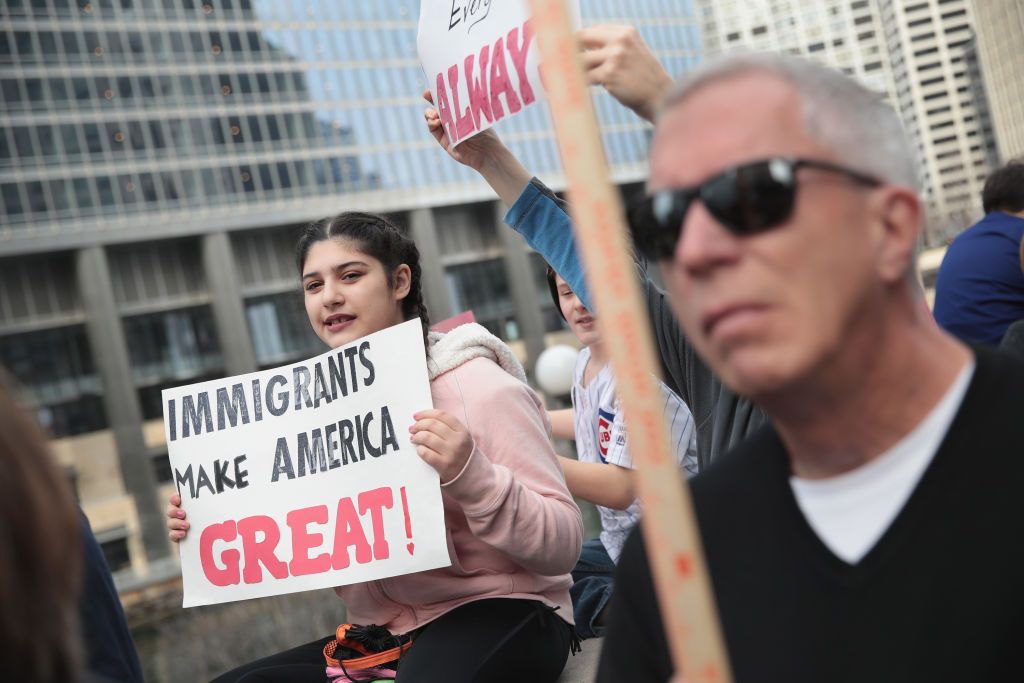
x=480, y=61
x=303, y=476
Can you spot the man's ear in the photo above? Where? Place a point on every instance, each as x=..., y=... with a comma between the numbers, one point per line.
x=900, y=215
x=403, y=281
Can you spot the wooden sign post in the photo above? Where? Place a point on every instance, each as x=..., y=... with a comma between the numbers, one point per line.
x=670, y=530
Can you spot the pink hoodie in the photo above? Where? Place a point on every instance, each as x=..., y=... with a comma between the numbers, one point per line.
x=513, y=529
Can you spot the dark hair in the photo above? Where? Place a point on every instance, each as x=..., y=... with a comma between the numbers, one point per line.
x=550, y=273
x=41, y=566
x=1004, y=189
x=378, y=237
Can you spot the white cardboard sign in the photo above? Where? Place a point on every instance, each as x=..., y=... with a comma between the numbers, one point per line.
x=480, y=60
x=303, y=476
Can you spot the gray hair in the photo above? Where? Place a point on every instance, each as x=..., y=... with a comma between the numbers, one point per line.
x=838, y=112
x=857, y=124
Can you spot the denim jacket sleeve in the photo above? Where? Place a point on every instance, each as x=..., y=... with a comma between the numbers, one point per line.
x=539, y=216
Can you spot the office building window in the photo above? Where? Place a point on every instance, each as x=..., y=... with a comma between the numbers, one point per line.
x=482, y=287
x=171, y=348
x=162, y=468
x=116, y=553
x=280, y=330
x=254, y=102
x=56, y=372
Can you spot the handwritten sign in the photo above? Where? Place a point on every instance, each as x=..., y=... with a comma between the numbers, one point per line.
x=303, y=476
x=480, y=60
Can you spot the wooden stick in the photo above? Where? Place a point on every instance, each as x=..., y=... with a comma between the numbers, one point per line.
x=670, y=530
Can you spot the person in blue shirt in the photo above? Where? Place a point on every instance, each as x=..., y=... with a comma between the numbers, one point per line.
x=980, y=289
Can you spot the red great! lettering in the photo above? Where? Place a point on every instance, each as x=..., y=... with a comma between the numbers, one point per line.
x=259, y=536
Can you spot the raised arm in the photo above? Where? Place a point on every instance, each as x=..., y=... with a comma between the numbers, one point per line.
x=485, y=153
x=617, y=58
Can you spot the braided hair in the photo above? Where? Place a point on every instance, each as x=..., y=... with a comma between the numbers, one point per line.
x=375, y=236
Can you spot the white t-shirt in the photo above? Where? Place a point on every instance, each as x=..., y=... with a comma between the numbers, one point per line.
x=601, y=437
x=852, y=511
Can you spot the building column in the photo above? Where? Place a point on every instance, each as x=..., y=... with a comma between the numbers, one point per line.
x=228, y=305
x=120, y=400
x=524, y=293
x=423, y=230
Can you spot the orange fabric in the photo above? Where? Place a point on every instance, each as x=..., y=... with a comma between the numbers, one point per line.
x=369, y=661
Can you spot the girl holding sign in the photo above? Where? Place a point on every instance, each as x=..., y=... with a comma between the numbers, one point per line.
x=502, y=610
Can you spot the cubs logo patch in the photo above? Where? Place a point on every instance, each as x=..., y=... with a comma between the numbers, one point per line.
x=604, y=433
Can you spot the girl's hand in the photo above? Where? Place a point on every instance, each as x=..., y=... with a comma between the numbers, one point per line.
x=176, y=522
x=442, y=441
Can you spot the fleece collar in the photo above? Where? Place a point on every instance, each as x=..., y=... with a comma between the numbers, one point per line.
x=466, y=342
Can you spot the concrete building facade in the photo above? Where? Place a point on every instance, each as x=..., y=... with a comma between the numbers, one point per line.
x=843, y=34
x=919, y=54
x=156, y=160
x=999, y=25
x=942, y=105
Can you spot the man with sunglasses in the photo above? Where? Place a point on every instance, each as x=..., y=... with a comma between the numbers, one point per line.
x=872, y=531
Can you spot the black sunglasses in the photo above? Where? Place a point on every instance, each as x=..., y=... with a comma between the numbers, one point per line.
x=745, y=199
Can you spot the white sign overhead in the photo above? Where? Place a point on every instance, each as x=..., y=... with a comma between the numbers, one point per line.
x=480, y=60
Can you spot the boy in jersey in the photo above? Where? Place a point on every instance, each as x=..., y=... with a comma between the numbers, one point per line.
x=603, y=474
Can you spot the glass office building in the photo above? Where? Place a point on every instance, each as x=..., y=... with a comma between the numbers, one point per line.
x=156, y=157
x=249, y=110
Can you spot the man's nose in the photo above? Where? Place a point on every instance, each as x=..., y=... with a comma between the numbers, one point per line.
x=704, y=242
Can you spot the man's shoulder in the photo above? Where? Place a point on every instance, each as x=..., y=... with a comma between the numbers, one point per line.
x=1002, y=222
x=996, y=392
x=743, y=475
x=1013, y=340
x=994, y=225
